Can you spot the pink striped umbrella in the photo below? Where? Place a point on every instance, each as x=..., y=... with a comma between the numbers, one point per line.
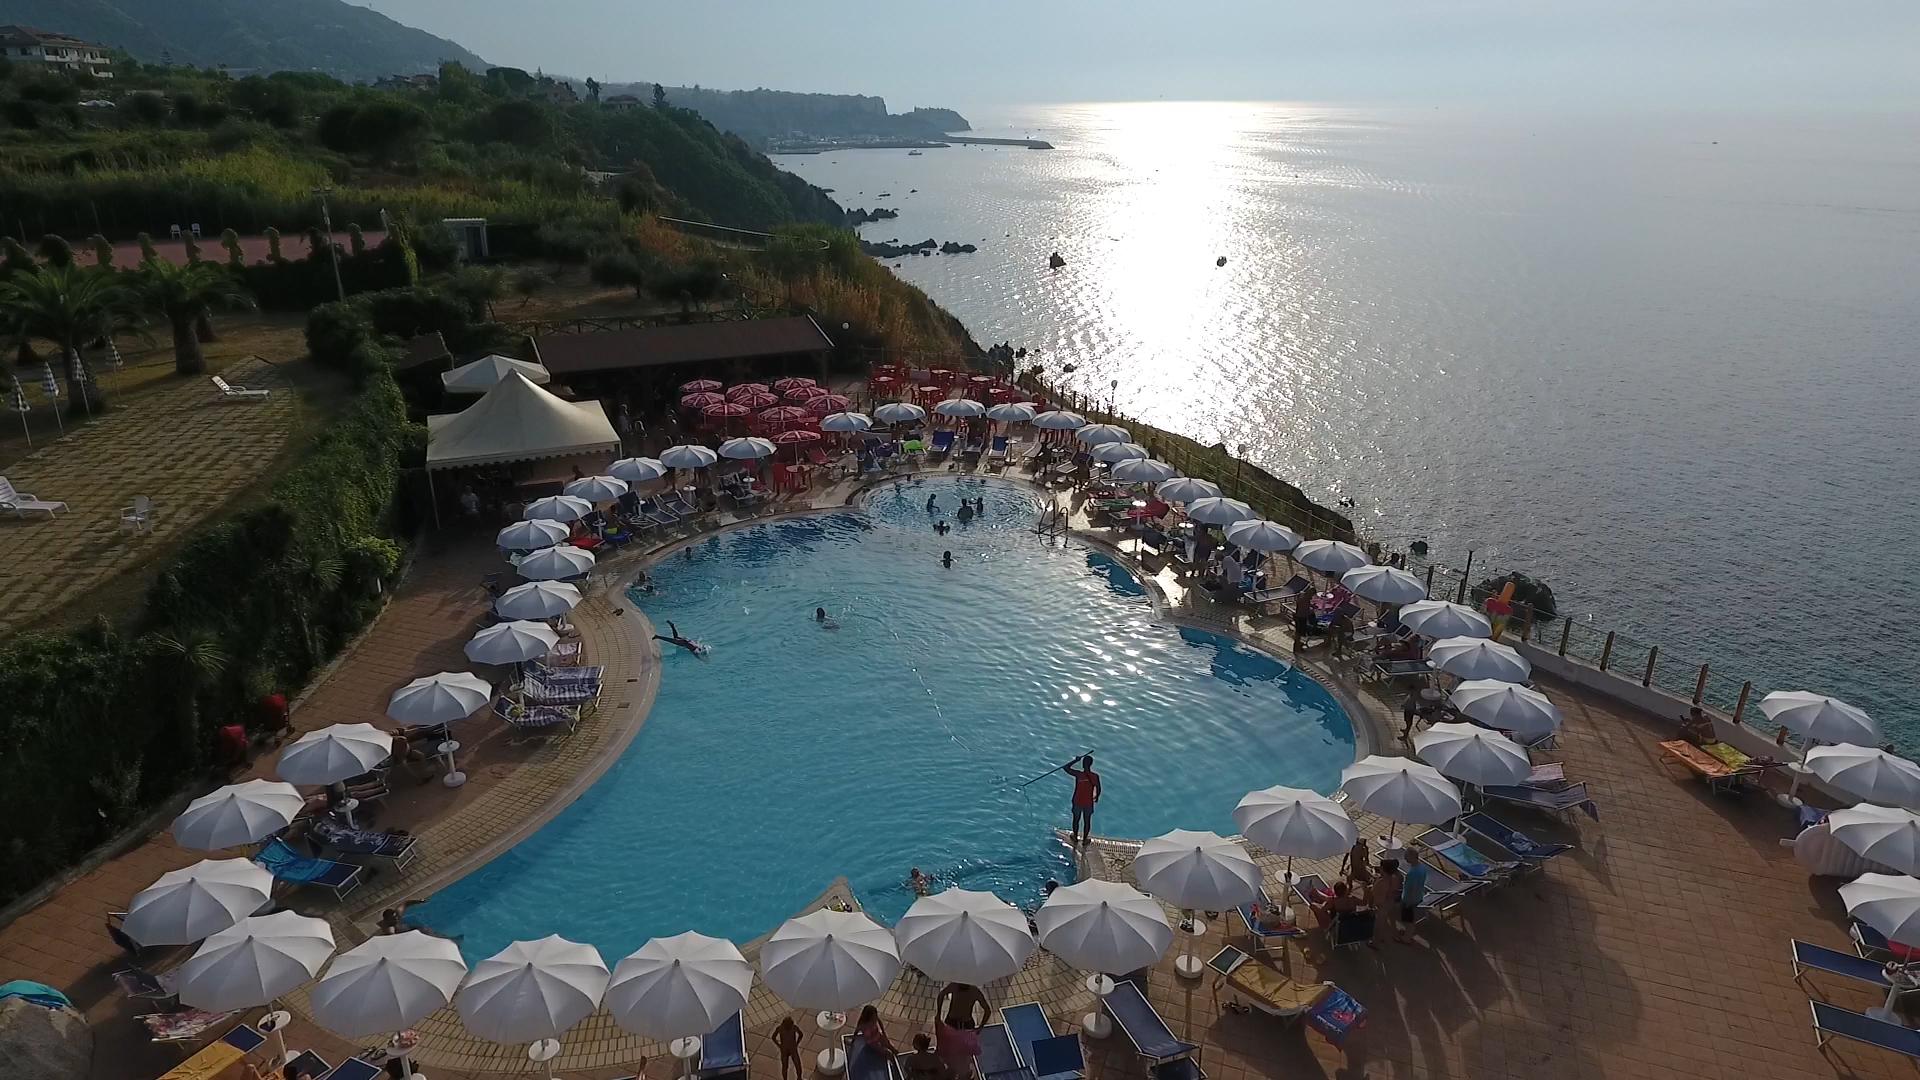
x=828, y=403
x=781, y=417
x=796, y=437
x=784, y=385
x=798, y=394
x=745, y=389
x=700, y=386
x=725, y=409
x=759, y=400
x=702, y=399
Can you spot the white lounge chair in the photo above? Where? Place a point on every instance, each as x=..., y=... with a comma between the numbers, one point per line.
x=230, y=392
x=18, y=502
x=139, y=516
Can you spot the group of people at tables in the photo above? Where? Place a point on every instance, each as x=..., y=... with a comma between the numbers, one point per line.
x=1389, y=890
x=948, y=1053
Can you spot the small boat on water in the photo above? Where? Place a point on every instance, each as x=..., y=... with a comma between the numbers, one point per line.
x=914, y=153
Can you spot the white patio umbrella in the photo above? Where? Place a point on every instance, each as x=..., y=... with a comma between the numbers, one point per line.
x=1295, y=821
x=1507, y=706
x=1384, y=584
x=237, y=814
x=1330, y=556
x=1478, y=658
x=557, y=508
x=899, y=412
x=829, y=960
x=964, y=936
x=333, y=754
x=387, y=983
x=512, y=643
x=531, y=535
x=1141, y=470
x=846, y=422
x=183, y=906
x=1444, y=619
x=688, y=456
x=1867, y=772
x=596, y=489
x=1186, y=489
x=637, y=470
x=1011, y=412
x=1884, y=834
x=1472, y=754
x=536, y=600
x=532, y=990
x=679, y=987
x=444, y=697
x=1196, y=871
x=556, y=563
x=255, y=961
x=1059, y=420
x=1101, y=434
x=1259, y=534
x=1115, y=452
x=1103, y=926
x=1820, y=718
x=1219, y=511
x=964, y=408
x=1400, y=790
x=747, y=449
x=1890, y=904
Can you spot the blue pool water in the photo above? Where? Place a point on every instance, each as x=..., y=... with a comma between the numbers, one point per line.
x=792, y=754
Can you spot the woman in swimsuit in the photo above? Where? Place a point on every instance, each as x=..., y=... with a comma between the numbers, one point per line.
x=693, y=647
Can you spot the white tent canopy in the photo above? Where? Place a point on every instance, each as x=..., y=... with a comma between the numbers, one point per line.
x=518, y=421
x=488, y=371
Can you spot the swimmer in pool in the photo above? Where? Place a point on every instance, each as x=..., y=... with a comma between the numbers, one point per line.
x=942, y=528
x=966, y=512
x=820, y=616
x=930, y=501
x=946, y=559
x=693, y=647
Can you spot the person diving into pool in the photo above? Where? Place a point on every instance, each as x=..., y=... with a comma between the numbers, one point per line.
x=691, y=646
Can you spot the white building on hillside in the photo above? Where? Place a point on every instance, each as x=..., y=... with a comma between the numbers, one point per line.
x=25, y=45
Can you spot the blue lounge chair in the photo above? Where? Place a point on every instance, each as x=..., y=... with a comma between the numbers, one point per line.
x=244, y=1039
x=528, y=721
x=1829, y=1020
x=1399, y=669
x=1869, y=942
x=998, y=1060
x=1563, y=802
x=354, y=1069
x=1463, y=860
x=540, y=689
x=1444, y=895
x=1267, y=940
x=658, y=514
x=676, y=503
x=1526, y=847
x=1810, y=957
x=1151, y=1037
x=998, y=451
x=1288, y=590
x=723, y=1052
x=1047, y=1056
x=941, y=445
x=288, y=865
x=307, y=1063
x=974, y=448
x=398, y=849
x=864, y=1063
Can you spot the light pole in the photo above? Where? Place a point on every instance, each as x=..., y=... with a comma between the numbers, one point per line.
x=333, y=253
x=1239, y=456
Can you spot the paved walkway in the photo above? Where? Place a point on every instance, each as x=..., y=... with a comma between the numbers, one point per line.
x=177, y=445
x=1657, y=949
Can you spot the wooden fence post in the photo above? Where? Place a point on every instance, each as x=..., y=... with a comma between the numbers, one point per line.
x=1700, y=686
x=1566, y=631
x=1461, y=595
x=1606, y=651
x=1740, y=707
x=1429, y=579
x=1653, y=656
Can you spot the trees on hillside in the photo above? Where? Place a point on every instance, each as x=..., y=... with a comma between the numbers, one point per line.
x=183, y=295
x=69, y=306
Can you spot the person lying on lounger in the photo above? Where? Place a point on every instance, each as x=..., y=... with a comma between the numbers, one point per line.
x=675, y=638
x=923, y=1063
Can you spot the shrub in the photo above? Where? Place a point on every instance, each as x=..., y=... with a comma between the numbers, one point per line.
x=147, y=251
x=274, y=254
x=102, y=250
x=619, y=268
x=193, y=249
x=236, y=256
x=334, y=331
x=55, y=250
x=148, y=109
x=14, y=257
x=356, y=239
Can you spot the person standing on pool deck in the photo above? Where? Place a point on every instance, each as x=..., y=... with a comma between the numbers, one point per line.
x=1086, y=792
x=787, y=1037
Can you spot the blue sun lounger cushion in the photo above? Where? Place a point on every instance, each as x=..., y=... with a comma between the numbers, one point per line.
x=1833, y=1020
x=1809, y=956
x=998, y=1059
x=1151, y=1037
x=723, y=1051
x=1513, y=839
x=864, y=1063
x=286, y=864
x=1027, y=1023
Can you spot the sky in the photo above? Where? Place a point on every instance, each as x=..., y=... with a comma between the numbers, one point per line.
x=1551, y=53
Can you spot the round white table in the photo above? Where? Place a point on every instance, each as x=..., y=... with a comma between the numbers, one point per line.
x=1188, y=965
x=544, y=1052
x=1901, y=978
x=454, y=777
x=1097, y=1024
x=833, y=1060
x=686, y=1049
x=1788, y=798
x=346, y=811
x=275, y=1023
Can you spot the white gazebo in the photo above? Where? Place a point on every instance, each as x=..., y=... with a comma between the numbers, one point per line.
x=489, y=371
x=517, y=421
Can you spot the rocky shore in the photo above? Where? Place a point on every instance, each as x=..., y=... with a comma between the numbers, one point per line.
x=893, y=249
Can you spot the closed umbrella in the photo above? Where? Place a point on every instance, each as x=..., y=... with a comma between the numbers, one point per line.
x=1259, y=534
x=1820, y=718
x=746, y=449
x=1219, y=511
x=532, y=535
x=512, y=643
x=535, y=600
x=829, y=960
x=1295, y=821
x=1059, y=420
x=1867, y=772
x=1115, y=452
x=688, y=456
x=1186, y=489
x=1101, y=434
x=679, y=988
x=445, y=697
x=1400, y=789
x=899, y=412
x=558, y=563
x=1384, y=584
x=557, y=508
x=532, y=990
x=1478, y=658
x=1330, y=556
x=333, y=754
x=237, y=814
x=183, y=906
x=963, y=408
x=254, y=961
x=1890, y=904
x=387, y=983
x=1472, y=754
x=1527, y=714
x=964, y=936
x=1011, y=412
x=638, y=470
x=846, y=422
x=1196, y=871
x=597, y=489
x=1884, y=834
x=1444, y=619
x=1141, y=471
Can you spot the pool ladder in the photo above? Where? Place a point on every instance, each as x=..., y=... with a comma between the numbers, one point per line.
x=1053, y=521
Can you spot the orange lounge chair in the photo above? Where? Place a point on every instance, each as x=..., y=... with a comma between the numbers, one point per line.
x=1715, y=769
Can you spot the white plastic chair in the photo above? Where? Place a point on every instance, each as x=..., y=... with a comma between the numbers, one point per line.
x=139, y=516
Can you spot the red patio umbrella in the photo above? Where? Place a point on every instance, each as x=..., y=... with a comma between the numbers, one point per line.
x=745, y=389
x=757, y=399
x=699, y=386
x=784, y=385
x=796, y=439
x=782, y=417
x=807, y=392
x=702, y=399
x=725, y=409
x=827, y=403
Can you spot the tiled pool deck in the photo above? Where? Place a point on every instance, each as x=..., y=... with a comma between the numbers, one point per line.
x=1656, y=949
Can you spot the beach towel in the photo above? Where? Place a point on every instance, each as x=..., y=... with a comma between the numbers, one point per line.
x=1337, y=1016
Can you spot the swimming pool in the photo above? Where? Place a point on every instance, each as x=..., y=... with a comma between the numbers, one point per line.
x=794, y=753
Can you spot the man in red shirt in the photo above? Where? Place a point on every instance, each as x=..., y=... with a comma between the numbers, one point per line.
x=1086, y=792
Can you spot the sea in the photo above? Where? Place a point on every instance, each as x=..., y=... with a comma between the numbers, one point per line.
x=1667, y=363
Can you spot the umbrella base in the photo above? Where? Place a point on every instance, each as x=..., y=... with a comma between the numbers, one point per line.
x=1096, y=1025
x=454, y=779
x=831, y=1062
x=1189, y=966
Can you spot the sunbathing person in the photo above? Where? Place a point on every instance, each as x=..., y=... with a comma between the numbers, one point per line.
x=1329, y=906
x=923, y=1063
x=874, y=1032
x=1697, y=727
x=675, y=638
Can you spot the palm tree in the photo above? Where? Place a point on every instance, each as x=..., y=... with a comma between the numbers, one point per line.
x=184, y=294
x=68, y=305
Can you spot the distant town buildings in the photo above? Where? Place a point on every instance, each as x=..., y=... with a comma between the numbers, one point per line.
x=26, y=45
x=426, y=82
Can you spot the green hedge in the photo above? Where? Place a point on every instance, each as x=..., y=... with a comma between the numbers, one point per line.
x=102, y=724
